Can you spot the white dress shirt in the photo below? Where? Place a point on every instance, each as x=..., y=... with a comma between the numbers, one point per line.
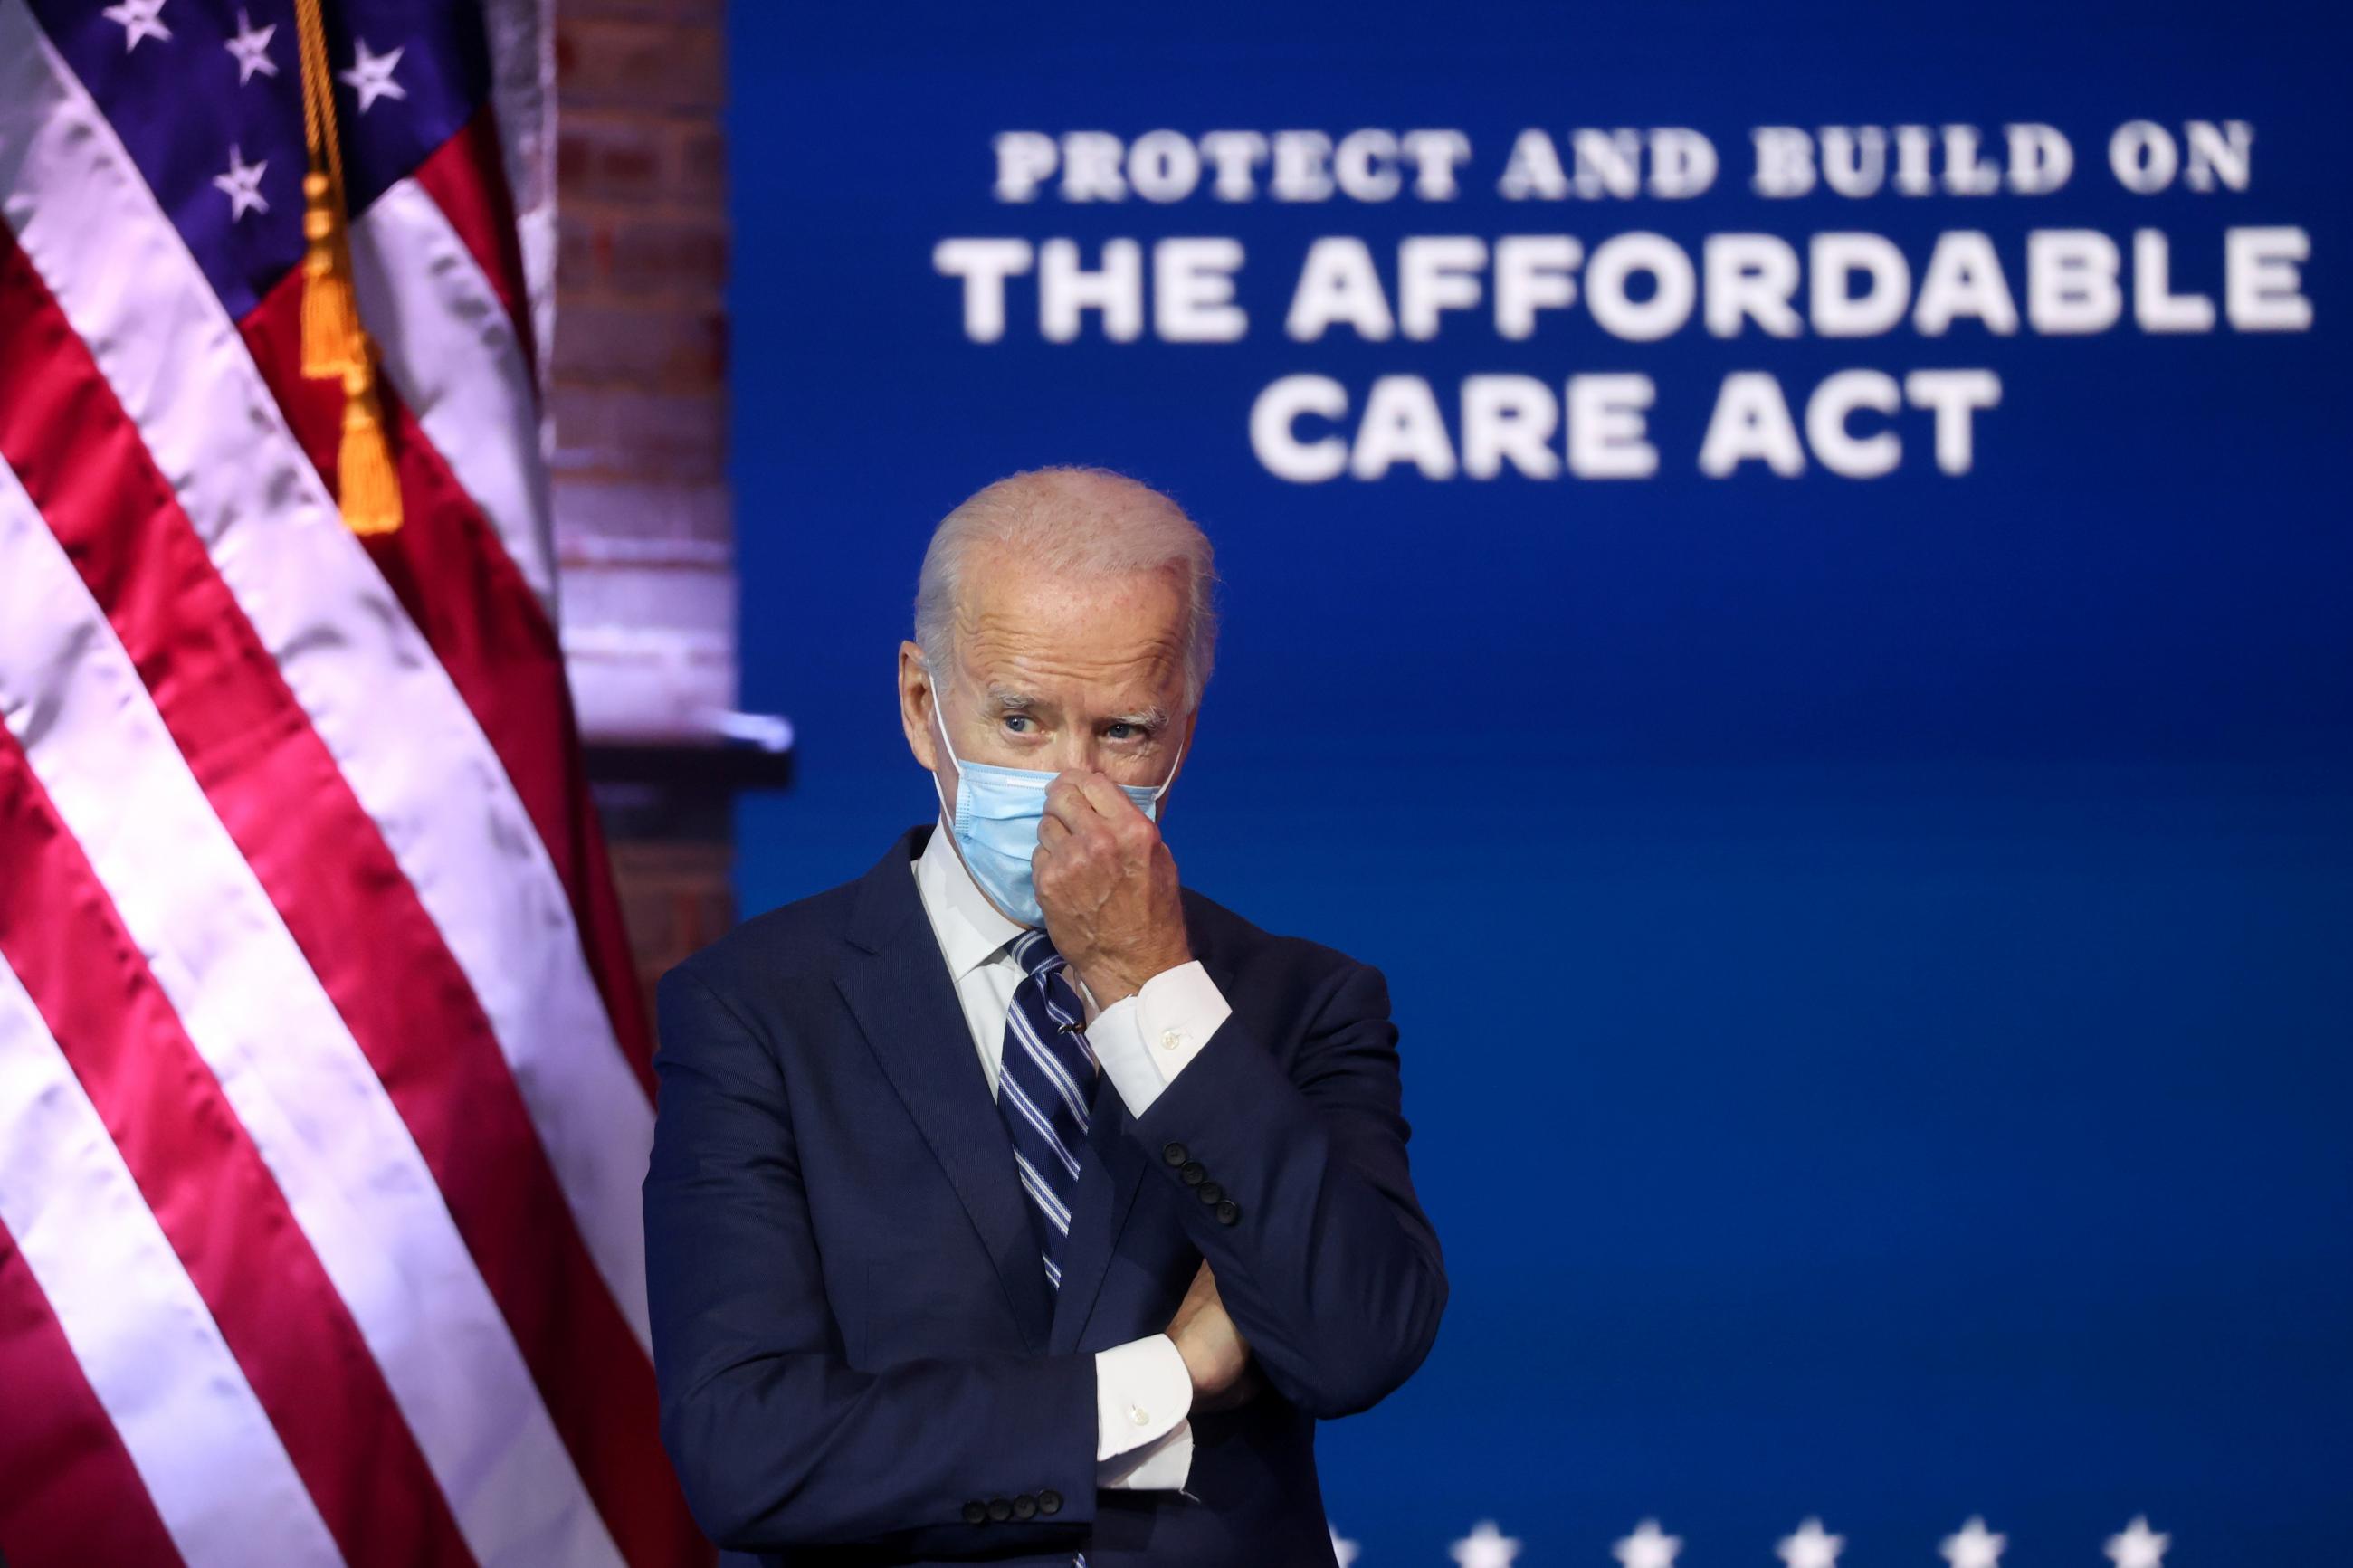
x=1142, y=1393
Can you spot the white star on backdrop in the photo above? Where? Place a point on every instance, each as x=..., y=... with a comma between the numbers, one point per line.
x=1975, y=1546
x=252, y=48
x=371, y=76
x=1485, y=1547
x=138, y=19
x=243, y=186
x=2139, y=1546
x=1648, y=1547
x=1346, y=1551
x=1811, y=1547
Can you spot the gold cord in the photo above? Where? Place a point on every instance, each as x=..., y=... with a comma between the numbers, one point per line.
x=335, y=346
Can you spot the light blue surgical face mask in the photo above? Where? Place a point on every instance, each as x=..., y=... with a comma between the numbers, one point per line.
x=998, y=811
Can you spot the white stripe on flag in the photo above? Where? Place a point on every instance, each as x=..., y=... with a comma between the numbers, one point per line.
x=523, y=101
x=220, y=1479
x=450, y=347
x=298, y=1083
x=386, y=709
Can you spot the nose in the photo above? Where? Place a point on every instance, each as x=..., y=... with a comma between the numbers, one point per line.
x=1081, y=751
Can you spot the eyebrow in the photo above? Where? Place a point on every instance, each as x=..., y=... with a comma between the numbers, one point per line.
x=1007, y=700
x=1154, y=719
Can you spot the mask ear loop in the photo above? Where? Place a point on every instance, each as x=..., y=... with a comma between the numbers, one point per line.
x=1174, y=768
x=940, y=723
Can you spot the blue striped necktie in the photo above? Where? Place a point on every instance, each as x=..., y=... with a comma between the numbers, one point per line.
x=1045, y=1087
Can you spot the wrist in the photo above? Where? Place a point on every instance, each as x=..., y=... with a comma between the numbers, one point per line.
x=1193, y=1358
x=1115, y=981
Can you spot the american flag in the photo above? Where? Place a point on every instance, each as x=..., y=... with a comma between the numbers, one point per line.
x=324, y=1092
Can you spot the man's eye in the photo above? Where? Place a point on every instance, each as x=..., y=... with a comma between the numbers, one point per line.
x=1017, y=722
x=1123, y=732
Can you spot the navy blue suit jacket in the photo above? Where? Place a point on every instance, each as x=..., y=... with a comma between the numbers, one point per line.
x=860, y=1359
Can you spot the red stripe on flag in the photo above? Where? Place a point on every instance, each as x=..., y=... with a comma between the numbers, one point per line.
x=345, y=900
x=73, y=1496
x=465, y=177
x=216, y=1200
x=487, y=628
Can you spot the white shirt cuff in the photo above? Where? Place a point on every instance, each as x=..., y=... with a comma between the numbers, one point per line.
x=1143, y=1394
x=1143, y=1041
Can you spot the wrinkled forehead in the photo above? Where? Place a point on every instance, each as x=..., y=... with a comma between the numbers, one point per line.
x=1114, y=636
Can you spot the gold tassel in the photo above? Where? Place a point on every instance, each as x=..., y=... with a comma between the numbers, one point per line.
x=371, y=491
x=331, y=317
x=333, y=343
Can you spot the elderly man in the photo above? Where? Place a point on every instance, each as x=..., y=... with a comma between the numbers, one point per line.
x=1013, y=1203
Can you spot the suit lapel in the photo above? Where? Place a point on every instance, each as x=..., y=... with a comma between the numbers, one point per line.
x=1109, y=1175
x=897, y=989
x=1109, y=1179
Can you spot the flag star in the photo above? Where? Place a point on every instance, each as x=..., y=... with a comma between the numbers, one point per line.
x=1975, y=1546
x=1811, y=1547
x=1485, y=1547
x=1342, y=1548
x=371, y=76
x=252, y=48
x=138, y=19
x=1648, y=1547
x=2139, y=1546
x=242, y=185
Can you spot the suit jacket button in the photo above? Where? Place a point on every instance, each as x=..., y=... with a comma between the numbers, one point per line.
x=1174, y=1153
x=1211, y=1194
x=1050, y=1501
x=1229, y=1211
x=1191, y=1171
x=999, y=1509
x=1024, y=1506
x=975, y=1513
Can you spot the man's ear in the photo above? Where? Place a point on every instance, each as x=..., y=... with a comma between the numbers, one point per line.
x=916, y=702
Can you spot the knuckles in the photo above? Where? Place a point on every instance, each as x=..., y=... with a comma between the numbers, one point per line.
x=1082, y=843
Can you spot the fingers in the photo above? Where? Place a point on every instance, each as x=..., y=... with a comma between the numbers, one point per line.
x=1110, y=802
x=1244, y=1389
x=1089, y=803
x=1069, y=802
x=1202, y=1292
x=1227, y=1375
x=1199, y=1295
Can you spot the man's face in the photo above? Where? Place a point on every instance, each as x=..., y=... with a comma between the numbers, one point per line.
x=1051, y=675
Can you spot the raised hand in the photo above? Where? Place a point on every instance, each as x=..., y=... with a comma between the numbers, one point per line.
x=1108, y=887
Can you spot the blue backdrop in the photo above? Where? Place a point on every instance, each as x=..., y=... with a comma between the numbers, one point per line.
x=1875, y=956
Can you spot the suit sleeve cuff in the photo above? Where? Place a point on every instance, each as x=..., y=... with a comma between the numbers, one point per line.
x=1143, y=1041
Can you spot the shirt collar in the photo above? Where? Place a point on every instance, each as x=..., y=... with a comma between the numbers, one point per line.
x=971, y=930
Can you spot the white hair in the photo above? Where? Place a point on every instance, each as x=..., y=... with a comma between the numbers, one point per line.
x=1073, y=522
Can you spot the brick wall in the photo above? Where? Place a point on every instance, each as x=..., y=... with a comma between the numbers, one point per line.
x=676, y=898
x=644, y=523
x=637, y=385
